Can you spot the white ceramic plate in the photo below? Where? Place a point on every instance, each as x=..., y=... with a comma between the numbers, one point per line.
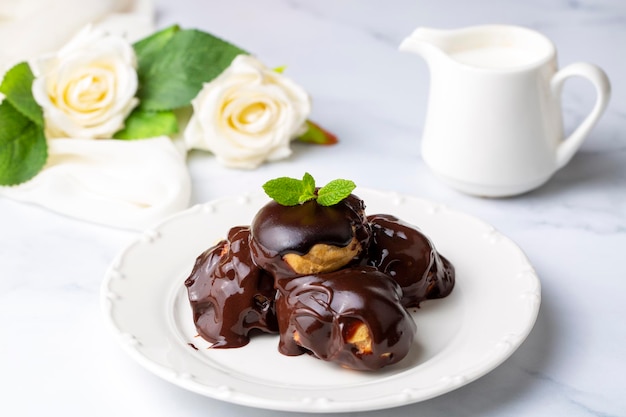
x=460, y=338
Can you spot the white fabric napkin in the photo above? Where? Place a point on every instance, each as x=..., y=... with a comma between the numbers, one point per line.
x=126, y=184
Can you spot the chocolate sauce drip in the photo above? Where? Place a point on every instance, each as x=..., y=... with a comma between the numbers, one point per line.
x=318, y=314
x=278, y=230
x=401, y=251
x=229, y=294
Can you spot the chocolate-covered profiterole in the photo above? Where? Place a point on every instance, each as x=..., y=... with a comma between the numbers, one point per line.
x=352, y=317
x=229, y=294
x=332, y=282
x=405, y=254
x=309, y=238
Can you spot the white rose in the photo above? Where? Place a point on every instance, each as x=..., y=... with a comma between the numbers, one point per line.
x=88, y=87
x=247, y=115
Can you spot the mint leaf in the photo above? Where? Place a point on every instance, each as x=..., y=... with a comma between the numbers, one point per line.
x=173, y=77
x=335, y=191
x=17, y=87
x=23, y=147
x=148, y=124
x=307, y=191
x=284, y=190
x=290, y=191
x=317, y=135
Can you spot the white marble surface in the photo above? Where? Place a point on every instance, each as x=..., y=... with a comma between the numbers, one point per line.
x=57, y=358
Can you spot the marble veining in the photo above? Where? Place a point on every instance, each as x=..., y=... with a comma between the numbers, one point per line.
x=573, y=229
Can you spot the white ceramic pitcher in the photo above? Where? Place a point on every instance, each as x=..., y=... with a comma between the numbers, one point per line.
x=493, y=126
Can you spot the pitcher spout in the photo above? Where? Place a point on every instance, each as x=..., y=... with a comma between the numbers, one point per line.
x=426, y=42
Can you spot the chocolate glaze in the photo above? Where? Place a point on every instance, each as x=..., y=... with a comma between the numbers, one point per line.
x=401, y=251
x=229, y=294
x=324, y=309
x=278, y=230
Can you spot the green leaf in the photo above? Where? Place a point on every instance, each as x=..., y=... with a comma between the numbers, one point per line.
x=290, y=191
x=335, y=191
x=317, y=135
x=284, y=190
x=23, y=146
x=148, y=49
x=280, y=69
x=148, y=124
x=173, y=77
x=307, y=191
x=17, y=87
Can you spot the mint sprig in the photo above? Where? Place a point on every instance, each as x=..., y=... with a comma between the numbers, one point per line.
x=288, y=191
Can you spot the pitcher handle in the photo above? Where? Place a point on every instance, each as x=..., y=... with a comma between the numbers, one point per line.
x=600, y=81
